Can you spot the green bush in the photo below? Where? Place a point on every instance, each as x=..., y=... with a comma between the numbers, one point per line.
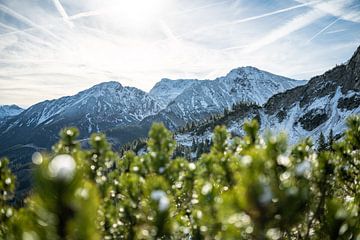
x=245, y=188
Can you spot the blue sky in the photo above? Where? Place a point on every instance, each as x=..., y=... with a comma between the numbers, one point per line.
x=52, y=48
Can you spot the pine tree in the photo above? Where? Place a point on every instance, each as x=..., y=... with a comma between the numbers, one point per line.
x=321, y=143
x=193, y=145
x=331, y=140
x=64, y=200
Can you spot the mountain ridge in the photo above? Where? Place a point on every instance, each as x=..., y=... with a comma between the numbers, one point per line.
x=123, y=113
x=206, y=97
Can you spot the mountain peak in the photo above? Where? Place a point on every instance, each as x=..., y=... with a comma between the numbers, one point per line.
x=174, y=82
x=109, y=84
x=252, y=73
x=100, y=88
x=12, y=106
x=246, y=69
x=9, y=110
x=247, y=72
x=165, y=80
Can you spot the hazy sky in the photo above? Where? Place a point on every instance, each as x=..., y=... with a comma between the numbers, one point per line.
x=52, y=48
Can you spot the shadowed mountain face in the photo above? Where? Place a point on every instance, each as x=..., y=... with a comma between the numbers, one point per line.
x=321, y=105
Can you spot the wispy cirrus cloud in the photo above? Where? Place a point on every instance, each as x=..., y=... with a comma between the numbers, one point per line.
x=59, y=47
x=345, y=9
x=295, y=24
x=342, y=9
x=26, y=20
x=253, y=18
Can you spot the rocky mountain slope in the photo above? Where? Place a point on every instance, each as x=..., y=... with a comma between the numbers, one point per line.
x=319, y=106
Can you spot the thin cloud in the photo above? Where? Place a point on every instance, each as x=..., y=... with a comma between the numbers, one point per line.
x=24, y=19
x=344, y=9
x=295, y=24
x=250, y=18
x=34, y=38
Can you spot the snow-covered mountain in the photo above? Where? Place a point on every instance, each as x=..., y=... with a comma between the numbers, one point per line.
x=9, y=111
x=109, y=105
x=106, y=105
x=204, y=98
x=321, y=105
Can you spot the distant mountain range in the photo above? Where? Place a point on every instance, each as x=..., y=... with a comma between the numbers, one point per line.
x=302, y=108
x=110, y=106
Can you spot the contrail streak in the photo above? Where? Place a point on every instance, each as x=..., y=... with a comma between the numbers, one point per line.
x=167, y=30
x=250, y=18
x=63, y=13
x=15, y=30
x=286, y=29
x=344, y=9
x=27, y=21
x=337, y=31
x=89, y=14
x=323, y=30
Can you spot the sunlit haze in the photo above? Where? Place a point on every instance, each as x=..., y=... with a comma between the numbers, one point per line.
x=53, y=48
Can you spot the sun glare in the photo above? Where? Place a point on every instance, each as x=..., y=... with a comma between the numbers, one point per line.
x=138, y=11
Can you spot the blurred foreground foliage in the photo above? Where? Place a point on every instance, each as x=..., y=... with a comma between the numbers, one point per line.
x=245, y=188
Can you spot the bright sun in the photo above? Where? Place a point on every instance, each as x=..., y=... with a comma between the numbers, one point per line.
x=139, y=11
